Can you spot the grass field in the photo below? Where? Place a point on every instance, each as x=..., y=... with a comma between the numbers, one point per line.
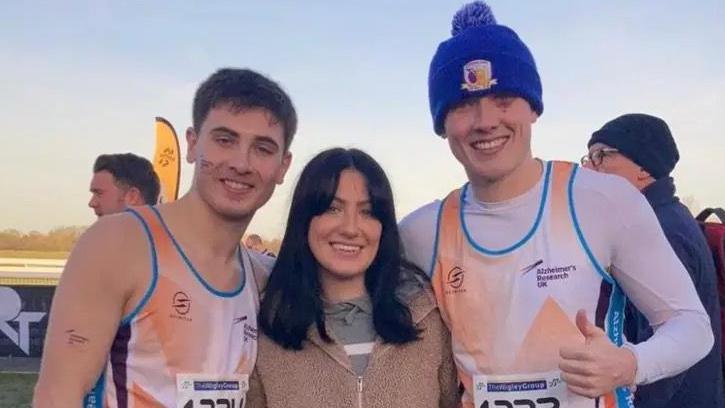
x=12, y=253
x=16, y=390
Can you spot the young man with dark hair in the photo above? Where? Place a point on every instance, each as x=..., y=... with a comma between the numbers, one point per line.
x=122, y=180
x=158, y=306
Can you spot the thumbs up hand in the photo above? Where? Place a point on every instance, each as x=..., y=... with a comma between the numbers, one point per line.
x=598, y=366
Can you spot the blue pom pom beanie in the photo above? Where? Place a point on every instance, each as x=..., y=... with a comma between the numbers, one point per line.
x=481, y=58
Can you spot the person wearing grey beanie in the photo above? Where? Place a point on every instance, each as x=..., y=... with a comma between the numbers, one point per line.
x=531, y=260
x=640, y=148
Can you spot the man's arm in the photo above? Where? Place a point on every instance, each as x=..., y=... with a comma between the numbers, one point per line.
x=650, y=274
x=86, y=310
x=658, y=284
x=418, y=235
x=659, y=394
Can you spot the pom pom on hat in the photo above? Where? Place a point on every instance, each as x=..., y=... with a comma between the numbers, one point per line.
x=473, y=14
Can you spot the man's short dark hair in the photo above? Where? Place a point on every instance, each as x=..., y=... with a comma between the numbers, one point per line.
x=244, y=89
x=131, y=170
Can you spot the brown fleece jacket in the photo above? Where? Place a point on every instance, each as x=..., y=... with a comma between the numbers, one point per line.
x=419, y=374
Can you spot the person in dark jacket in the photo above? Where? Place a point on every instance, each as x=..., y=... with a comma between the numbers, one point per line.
x=641, y=149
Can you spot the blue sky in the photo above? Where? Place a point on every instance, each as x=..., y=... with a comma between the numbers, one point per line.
x=81, y=78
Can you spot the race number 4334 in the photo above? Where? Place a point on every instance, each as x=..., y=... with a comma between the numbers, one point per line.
x=211, y=391
x=539, y=390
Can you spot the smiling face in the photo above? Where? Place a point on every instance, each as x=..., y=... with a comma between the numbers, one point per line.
x=490, y=136
x=240, y=157
x=344, y=239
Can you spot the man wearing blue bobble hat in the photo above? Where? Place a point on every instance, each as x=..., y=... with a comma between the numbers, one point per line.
x=531, y=261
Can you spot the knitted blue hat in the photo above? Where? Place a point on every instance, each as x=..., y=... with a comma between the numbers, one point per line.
x=481, y=58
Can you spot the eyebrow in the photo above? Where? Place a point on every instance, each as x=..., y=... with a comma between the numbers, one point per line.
x=230, y=132
x=340, y=200
x=224, y=129
x=267, y=139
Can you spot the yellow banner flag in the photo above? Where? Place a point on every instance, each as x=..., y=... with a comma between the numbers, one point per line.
x=167, y=163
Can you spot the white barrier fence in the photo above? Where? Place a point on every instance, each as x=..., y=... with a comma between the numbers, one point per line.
x=19, y=268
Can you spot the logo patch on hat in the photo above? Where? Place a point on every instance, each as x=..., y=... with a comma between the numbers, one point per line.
x=477, y=76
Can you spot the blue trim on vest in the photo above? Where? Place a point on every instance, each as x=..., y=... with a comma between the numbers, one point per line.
x=94, y=399
x=617, y=300
x=526, y=238
x=580, y=236
x=200, y=278
x=154, y=269
x=431, y=270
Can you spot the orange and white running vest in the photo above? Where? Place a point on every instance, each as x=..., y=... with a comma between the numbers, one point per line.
x=510, y=310
x=185, y=340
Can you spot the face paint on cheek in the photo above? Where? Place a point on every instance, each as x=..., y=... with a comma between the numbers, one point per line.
x=206, y=165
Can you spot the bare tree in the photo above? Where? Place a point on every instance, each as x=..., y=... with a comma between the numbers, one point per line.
x=57, y=239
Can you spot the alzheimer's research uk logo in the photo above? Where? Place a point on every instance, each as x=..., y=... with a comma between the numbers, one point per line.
x=548, y=274
x=478, y=76
x=12, y=316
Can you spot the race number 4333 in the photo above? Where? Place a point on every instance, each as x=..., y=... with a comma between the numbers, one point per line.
x=539, y=390
x=211, y=391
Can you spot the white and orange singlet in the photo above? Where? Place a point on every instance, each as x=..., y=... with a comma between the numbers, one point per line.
x=510, y=277
x=186, y=341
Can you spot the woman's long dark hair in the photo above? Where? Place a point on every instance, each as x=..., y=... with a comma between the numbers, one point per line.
x=292, y=300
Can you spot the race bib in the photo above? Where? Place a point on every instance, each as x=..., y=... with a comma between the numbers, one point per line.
x=211, y=391
x=540, y=390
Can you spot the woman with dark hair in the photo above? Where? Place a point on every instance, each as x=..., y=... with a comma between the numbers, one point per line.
x=345, y=321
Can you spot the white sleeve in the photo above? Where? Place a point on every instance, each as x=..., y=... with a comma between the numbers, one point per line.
x=418, y=235
x=652, y=276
